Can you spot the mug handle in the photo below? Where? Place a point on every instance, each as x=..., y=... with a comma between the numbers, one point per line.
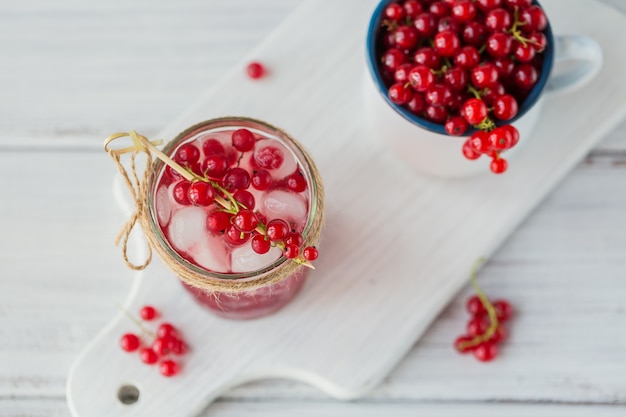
x=585, y=60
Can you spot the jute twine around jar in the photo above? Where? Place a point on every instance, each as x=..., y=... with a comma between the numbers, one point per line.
x=139, y=187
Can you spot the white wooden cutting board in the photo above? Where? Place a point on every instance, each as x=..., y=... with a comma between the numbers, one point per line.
x=396, y=247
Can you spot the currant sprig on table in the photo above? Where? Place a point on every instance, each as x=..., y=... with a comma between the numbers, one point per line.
x=465, y=64
x=485, y=329
x=235, y=218
x=161, y=346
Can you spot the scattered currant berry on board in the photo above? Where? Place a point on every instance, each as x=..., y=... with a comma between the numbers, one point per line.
x=130, y=342
x=168, y=368
x=255, y=70
x=476, y=60
x=485, y=329
x=148, y=313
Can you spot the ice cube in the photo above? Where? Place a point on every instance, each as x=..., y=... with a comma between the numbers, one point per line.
x=245, y=259
x=286, y=205
x=211, y=254
x=187, y=228
x=163, y=206
x=289, y=164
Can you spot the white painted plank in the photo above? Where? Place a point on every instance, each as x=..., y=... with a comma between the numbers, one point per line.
x=567, y=344
x=73, y=71
x=57, y=408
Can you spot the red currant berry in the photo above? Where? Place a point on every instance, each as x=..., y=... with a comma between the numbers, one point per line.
x=474, y=34
x=310, y=253
x=425, y=25
x=401, y=74
x=474, y=111
x=255, y=70
x=213, y=147
x=524, y=52
x=399, y=93
x=499, y=44
x=201, y=193
x=291, y=251
x=436, y=114
x=405, y=37
x=438, y=95
x=525, y=76
x=245, y=198
x=538, y=40
x=180, y=193
x=168, y=368
x=486, y=5
x=446, y=43
x=498, y=20
x=236, y=237
x=417, y=104
x=533, y=19
x=490, y=94
x=393, y=58
x=513, y=132
x=504, y=311
x=475, y=306
x=261, y=180
x=498, y=165
x=412, y=8
x=468, y=152
x=215, y=165
x=421, y=78
x=427, y=56
x=166, y=330
x=243, y=140
x=236, y=179
x=218, y=221
x=277, y=229
x=245, y=220
x=505, y=107
x=439, y=9
x=130, y=342
x=260, y=244
x=148, y=313
x=456, y=126
x=477, y=326
x=456, y=79
x=462, y=344
x=505, y=67
x=467, y=57
x=394, y=12
x=484, y=75
x=148, y=356
x=463, y=11
x=187, y=153
x=293, y=238
x=486, y=352
x=479, y=142
x=161, y=346
x=178, y=347
x=448, y=23
x=499, y=139
x=296, y=182
x=269, y=157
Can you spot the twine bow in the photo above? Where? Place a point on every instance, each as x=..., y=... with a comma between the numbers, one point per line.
x=136, y=186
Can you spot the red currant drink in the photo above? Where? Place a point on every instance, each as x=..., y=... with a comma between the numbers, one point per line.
x=271, y=179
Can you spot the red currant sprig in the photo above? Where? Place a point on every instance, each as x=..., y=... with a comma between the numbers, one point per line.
x=236, y=217
x=166, y=342
x=485, y=329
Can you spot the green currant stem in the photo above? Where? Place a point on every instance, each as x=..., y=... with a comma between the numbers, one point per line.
x=474, y=91
x=137, y=322
x=491, y=311
x=487, y=125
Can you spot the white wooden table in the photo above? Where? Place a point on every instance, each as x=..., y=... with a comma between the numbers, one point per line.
x=72, y=72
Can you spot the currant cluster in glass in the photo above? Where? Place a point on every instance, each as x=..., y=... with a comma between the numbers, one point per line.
x=219, y=179
x=155, y=347
x=465, y=64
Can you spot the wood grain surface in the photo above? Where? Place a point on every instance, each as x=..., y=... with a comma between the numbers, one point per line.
x=72, y=72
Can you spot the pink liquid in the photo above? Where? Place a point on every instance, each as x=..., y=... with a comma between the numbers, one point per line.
x=184, y=225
